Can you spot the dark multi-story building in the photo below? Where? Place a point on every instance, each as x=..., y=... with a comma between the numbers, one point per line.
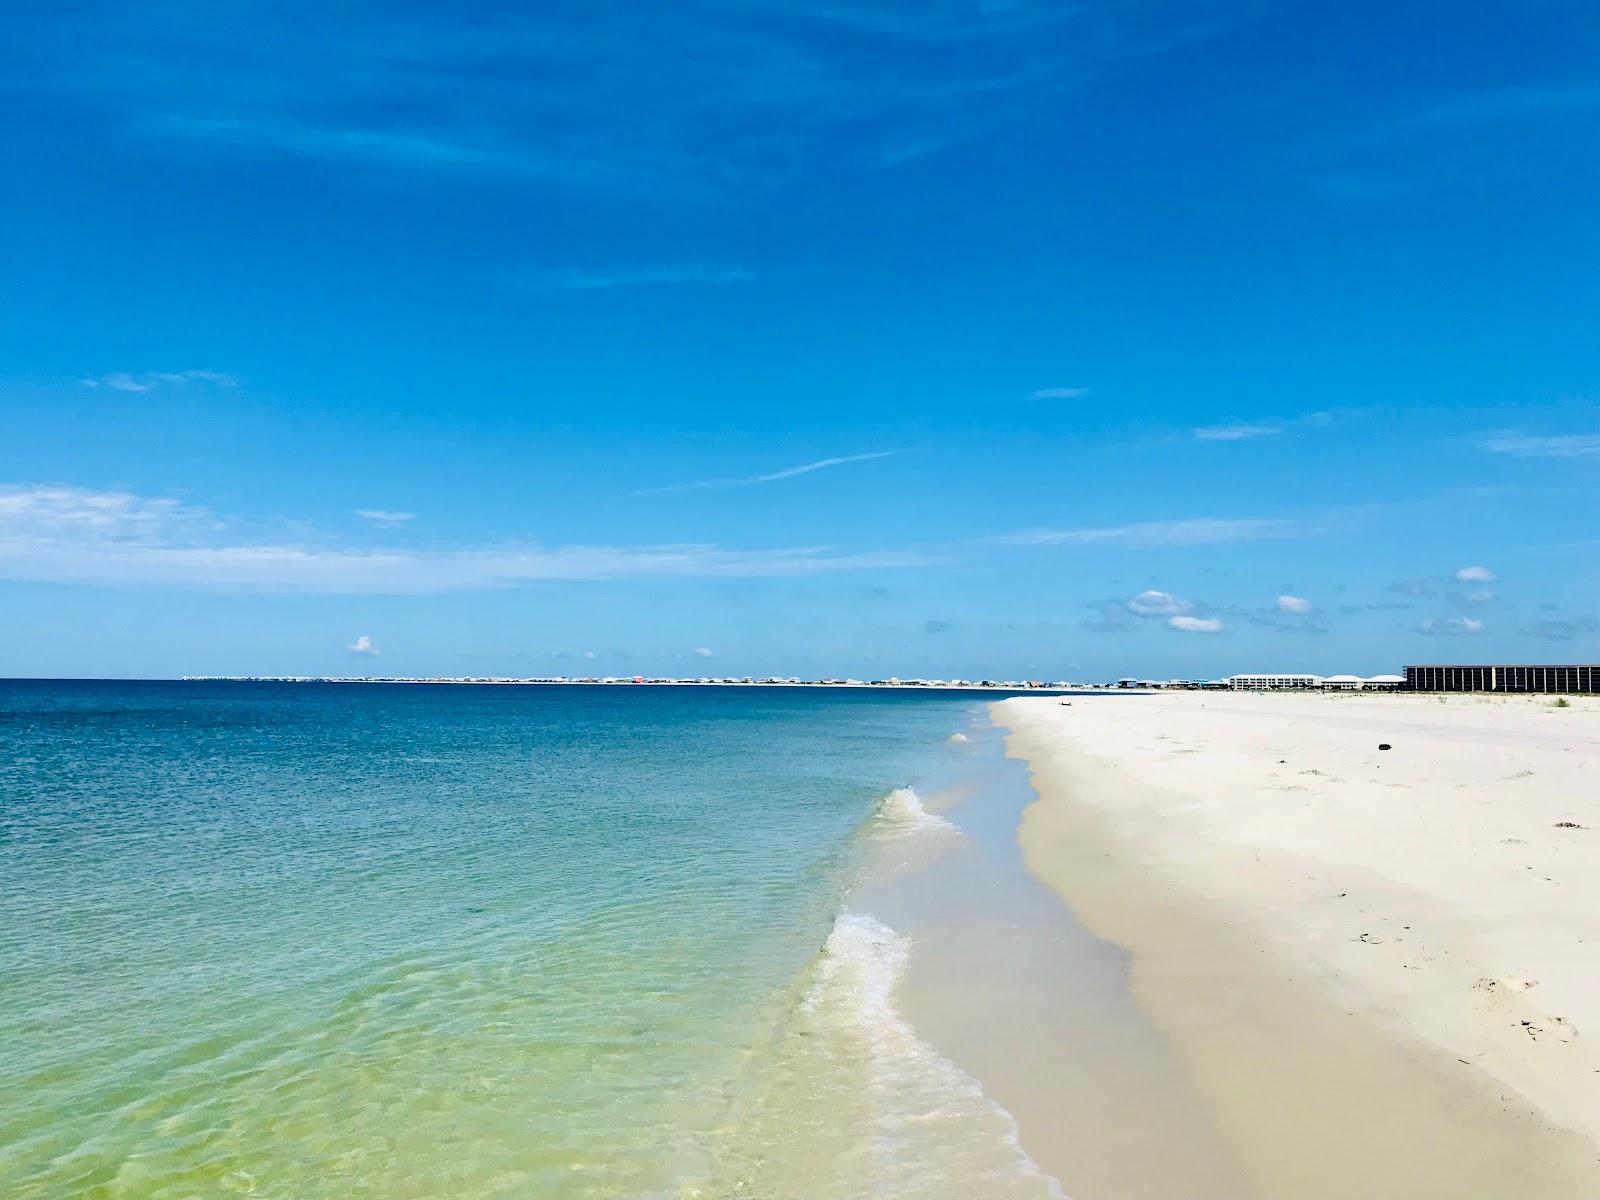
x=1553, y=678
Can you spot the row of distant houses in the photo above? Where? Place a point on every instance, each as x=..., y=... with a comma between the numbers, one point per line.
x=1272, y=683
x=1542, y=678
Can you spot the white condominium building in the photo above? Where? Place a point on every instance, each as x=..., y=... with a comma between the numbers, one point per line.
x=1273, y=683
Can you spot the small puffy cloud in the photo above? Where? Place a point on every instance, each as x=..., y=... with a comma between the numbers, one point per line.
x=1451, y=626
x=1061, y=393
x=1158, y=604
x=1475, y=575
x=590, y=654
x=1195, y=624
x=702, y=651
x=363, y=645
x=1293, y=604
x=384, y=516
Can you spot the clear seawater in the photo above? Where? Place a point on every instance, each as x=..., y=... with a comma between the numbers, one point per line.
x=303, y=941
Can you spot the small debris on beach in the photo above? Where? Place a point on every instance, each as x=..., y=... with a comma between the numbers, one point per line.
x=1385, y=746
x=1569, y=825
x=1557, y=1027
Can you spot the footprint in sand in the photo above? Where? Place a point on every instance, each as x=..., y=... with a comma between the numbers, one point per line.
x=1497, y=992
x=1557, y=1029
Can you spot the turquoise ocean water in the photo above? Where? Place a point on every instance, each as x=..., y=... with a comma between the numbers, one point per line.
x=309, y=941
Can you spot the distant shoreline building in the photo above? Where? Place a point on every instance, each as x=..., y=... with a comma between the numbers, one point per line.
x=1547, y=678
x=1271, y=682
x=1274, y=683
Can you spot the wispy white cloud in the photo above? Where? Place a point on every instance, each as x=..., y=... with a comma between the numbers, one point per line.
x=149, y=381
x=702, y=651
x=1523, y=445
x=570, y=95
x=1510, y=102
x=1476, y=575
x=462, y=152
x=595, y=279
x=1062, y=393
x=1195, y=624
x=43, y=510
x=383, y=516
x=1192, y=531
x=1452, y=626
x=76, y=535
x=1246, y=431
x=363, y=645
x=1293, y=605
x=294, y=568
x=1158, y=604
x=821, y=464
x=1234, y=433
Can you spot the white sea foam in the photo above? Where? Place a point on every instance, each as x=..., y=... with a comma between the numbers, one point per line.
x=959, y=737
x=847, y=1101
x=933, y=1132
x=902, y=812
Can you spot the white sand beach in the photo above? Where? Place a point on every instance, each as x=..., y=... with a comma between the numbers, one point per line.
x=1381, y=968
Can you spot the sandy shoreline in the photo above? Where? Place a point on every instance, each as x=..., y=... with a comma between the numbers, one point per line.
x=1381, y=969
x=1008, y=985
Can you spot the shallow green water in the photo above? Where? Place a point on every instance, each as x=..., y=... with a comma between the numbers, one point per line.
x=310, y=941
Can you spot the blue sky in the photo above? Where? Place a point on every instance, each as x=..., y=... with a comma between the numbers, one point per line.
x=824, y=336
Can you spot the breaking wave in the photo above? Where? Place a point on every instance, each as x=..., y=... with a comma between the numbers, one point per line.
x=902, y=812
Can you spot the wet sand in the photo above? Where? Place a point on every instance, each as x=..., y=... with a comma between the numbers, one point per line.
x=1005, y=982
x=1372, y=970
